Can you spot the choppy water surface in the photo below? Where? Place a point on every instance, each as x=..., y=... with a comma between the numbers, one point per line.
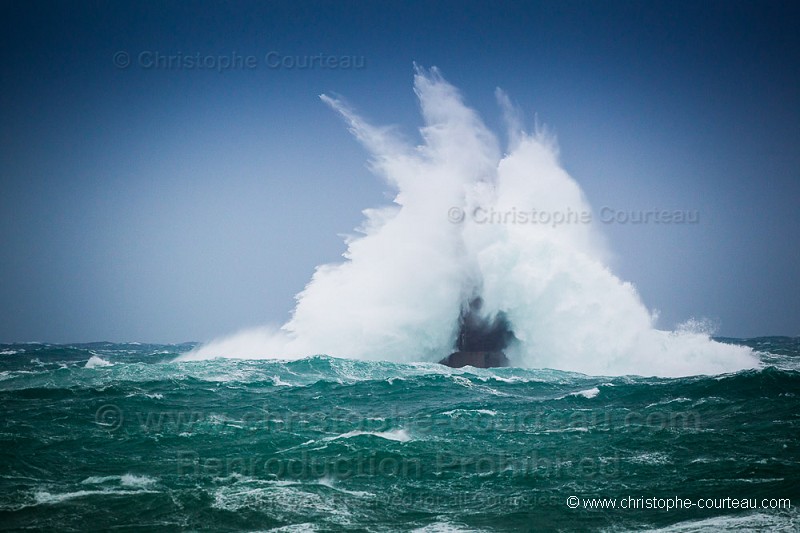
x=97, y=436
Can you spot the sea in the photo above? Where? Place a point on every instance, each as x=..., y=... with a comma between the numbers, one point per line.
x=103, y=436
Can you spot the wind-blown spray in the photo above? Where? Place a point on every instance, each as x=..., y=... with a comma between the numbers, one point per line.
x=469, y=222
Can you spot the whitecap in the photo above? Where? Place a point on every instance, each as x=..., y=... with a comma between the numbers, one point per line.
x=443, y=527
x=284, y=501
x=655, y=458
x=96, y=362
x=399, y=435
x=665, y=402
x=133, y=480
x=453, y=412
x=96, y=480
x=44, y=497
x=588, y=393
x=278, y=382
x=296, y=528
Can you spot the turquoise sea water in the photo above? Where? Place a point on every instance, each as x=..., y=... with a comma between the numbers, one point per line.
x=117, y=436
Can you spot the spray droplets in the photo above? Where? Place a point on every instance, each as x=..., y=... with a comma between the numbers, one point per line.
x=546, y=296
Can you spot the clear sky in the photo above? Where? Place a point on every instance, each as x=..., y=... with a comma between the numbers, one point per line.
x=171, y=203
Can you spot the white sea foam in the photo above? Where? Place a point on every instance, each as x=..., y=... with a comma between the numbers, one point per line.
x=296, y=528
x=278, y=382
x=96, y=362
x=398, y=294
x=655, y=458
x=464, y=382
x=132, y=480
x=399, y=435
x=454, y=412
x=744, y=522
x=96, y=480
x=665, y=402
x=283, y=500
x=127, y=484
x=444, y=527
x=44, y=497
x=588, y=393
x=125, y=480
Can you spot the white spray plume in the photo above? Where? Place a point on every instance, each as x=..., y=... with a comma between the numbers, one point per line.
x=468, y=220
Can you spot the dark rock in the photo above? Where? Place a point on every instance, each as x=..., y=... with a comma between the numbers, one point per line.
x=476, y=359
x=481, y=338
x=478, y=332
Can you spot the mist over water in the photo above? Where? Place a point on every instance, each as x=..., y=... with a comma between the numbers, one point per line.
x=461, y=227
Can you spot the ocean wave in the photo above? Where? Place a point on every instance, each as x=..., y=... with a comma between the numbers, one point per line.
x=97, y=362
x=375, y=435
x=588, y=393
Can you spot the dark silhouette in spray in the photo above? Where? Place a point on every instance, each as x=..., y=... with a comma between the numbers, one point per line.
x=481, y=339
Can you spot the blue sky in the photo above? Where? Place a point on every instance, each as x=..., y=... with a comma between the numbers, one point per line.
x=177, y=204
